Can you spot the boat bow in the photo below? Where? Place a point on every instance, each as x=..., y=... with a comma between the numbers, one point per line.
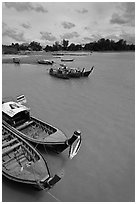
x=75, y=143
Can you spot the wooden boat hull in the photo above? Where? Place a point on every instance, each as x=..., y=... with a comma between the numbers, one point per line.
x=74, y=75
x=67, y=60
x=39, y=132
x=46, y=62
x=18, y=119
x=57, y=140
x=22, y=163
x=59, y=75
x=16, y=60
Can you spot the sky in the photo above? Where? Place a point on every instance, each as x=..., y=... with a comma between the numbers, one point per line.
x=78, y=22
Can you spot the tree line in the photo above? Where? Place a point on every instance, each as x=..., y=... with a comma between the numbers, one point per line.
x=100, y=45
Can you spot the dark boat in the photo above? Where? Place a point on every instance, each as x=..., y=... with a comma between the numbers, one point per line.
x=71, y=72
x=86, y=73
x=22, y=163
x=46, y=62
x=16, y=60
x=74, y=73
x=18, y=119
x=67, y=60
x=59, y=73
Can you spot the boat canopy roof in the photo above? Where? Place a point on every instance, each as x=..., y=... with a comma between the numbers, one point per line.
x=12, y=108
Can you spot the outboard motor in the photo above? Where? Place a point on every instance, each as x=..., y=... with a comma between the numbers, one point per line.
x=47, y=184
x=75, y=136
x=74, y=142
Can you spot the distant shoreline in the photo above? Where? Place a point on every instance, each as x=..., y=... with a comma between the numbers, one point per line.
x=33, y=57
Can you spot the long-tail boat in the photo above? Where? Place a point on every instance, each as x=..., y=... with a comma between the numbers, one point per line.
x=46, y=62
x=59, y=73
x=16, y=60
x=67, y=60
x=22, y=163
x=86, y=73
x=75, y=72
x=17, y=117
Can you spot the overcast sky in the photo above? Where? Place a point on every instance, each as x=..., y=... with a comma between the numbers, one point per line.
x=77, y=22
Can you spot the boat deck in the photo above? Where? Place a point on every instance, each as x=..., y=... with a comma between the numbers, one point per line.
x=35, y=130
x=19, y=160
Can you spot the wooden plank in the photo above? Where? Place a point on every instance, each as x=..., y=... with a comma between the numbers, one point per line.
x=24, y=125
x=6, y=151
x=9, y=160
x=9, y=142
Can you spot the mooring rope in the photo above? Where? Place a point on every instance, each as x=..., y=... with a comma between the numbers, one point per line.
x=54, y=197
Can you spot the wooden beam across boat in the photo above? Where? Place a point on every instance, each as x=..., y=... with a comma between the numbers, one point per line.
x=17, y=117
x=22, y=163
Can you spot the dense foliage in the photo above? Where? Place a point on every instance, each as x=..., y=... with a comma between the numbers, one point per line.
x=100, y=45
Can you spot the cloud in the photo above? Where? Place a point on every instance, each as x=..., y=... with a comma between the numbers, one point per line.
x=86, y=28
x=13, y=33
x=96, y=37
x=68, y=25
x=40, y=8
x=26, y=25
x=4, y=25
x=25, y=6
x=130, y=38
x=89, y=39
x=117, y=19
x=70, y=35
x=82, y=11
x=47, y=36
x=126, y=16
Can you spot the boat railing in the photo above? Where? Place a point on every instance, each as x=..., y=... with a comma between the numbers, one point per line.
x=7, y=99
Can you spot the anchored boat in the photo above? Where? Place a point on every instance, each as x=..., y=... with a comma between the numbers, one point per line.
x=67, y=60
x=73, y=72
x=16, y=60
x=17, y=118
x=22, y=163
x=59, y=73
x=46, y=62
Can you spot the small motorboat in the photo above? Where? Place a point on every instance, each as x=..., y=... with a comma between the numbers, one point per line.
x=59, y=73
x=67, y=60
x=86, y=73
x=22, y=163
x=46, y=62
x=17, y=118
x=16, y=60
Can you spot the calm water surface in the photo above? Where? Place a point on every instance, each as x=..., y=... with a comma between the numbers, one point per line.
x=102, y=107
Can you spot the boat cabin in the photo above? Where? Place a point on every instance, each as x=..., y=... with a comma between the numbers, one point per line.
x=15, y=114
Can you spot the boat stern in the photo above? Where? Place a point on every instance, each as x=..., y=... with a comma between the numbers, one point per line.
x=51, y=181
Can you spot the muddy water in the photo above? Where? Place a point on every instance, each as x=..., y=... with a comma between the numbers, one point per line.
x=102, y=106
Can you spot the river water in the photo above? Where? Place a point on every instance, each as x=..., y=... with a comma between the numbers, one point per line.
x=102, y=106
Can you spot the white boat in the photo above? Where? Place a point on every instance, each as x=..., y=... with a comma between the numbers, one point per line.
x=17, y=117
x=47, y=62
